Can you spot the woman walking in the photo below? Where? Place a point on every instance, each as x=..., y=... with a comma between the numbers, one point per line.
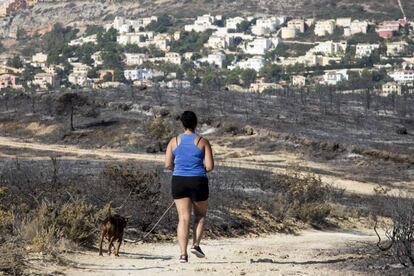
x=190, y=157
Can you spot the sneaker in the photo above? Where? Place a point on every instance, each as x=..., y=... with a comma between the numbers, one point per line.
x=183, y=259
x=196, y=250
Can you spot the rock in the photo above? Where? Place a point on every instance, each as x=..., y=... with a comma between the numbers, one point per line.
x=249, y=130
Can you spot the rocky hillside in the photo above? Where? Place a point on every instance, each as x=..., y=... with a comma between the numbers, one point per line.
x=44, y=15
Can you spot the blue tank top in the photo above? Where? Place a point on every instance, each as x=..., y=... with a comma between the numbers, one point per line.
x=188, y=158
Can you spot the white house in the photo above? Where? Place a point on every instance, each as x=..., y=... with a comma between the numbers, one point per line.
x=97, y=58
x=343, y=21
x=179, y=84
x=83, y=40
x=79, y=79
x=335, y=77
x=216, y=59
x=267, y=25
x=330, y=48
x=259, y=46
x=220, y=42
x=39, y=60
x=232, y=23
x=45, y=80
x=403, y=76
x=133, y=59
x=365, y=49
x=256, y=63
x=142, y=74
x=324, y=27
x=203, y=23
x=174, y=58
x=356, y=27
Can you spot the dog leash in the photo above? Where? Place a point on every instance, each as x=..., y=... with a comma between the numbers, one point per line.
x=155, y=225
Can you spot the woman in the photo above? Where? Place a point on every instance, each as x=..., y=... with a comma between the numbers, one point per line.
x=190, y=157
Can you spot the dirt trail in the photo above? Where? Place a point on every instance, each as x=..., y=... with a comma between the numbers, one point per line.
x=311, y=253
x=277, y=163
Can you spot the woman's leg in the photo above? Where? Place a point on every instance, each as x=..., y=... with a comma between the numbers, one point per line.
x=184, y=214
x=200, y=211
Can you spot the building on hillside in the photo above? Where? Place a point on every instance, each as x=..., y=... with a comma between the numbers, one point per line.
x=83, y=40
x=297, y=24
x=388, y=29
x=215, y=59
x=97, y=58
x=390, y=88
x=220, y=42
x=256, y=63
x=8, y=80
x=267, y=25
x=335, y=77
x=79, y=79
x=46, y=80
x=358, y=27
x=298, y=81
x=39, y=60
x=260, y=87
x=142, y=74
x=174, y=58
x=133, y=38
x=10, y=70
x=396, y=48
x=365, y=49
x=403, y=76
x=259, y=46
x=233, y=23
x=203, y=23
x=134, y=59
x=178, y=84
x=288, y=32
x=330, y=48
x=79, y=75
x=324, y=27
x=343, y=22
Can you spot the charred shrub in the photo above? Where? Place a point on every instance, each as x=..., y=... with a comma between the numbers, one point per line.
x=304, y=198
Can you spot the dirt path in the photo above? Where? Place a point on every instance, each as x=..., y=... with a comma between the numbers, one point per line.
x=277, y=163
x=311, y=253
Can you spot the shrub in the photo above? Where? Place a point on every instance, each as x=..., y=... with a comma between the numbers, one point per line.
x=304, y=198
x=158, y=130
x=75, y=221
x=399, y=227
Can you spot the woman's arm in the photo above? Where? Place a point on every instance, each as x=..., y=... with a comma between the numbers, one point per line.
x=208, y=159
x=169, y=157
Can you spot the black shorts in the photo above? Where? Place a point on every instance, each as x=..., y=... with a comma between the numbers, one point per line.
x=194, y=187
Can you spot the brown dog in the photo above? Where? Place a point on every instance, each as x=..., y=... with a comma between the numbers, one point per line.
x=113, y=229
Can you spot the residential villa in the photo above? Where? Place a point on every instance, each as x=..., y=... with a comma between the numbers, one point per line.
x=403, y=76
x=298, y=80
x=390, y=88
x=365, y=49
x=335, y=77
x=39, y=60
x=324, y=27
x=396, y=48
x=134, y=59
x=297, y=24
x=8, y=80
x=46, y=80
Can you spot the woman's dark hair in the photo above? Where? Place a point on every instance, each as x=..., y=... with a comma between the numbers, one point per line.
x=189, y=120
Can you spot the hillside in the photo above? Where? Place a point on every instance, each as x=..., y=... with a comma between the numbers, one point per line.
x=44, y=15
